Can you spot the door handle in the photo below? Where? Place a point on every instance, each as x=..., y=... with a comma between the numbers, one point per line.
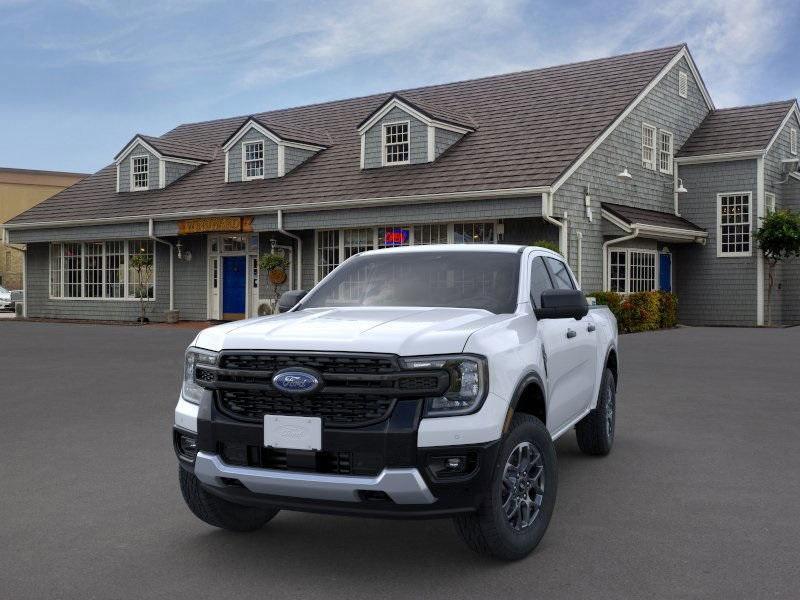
x=591, y=328
x=571, y=333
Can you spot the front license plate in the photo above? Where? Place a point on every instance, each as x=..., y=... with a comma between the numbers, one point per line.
x=293, y=433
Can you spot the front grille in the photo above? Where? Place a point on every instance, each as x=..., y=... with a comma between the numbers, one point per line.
x=340, y=410
x=356, y=390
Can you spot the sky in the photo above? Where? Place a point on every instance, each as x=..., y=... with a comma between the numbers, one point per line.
x=81, y=77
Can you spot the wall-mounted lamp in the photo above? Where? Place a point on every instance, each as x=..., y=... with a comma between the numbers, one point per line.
x=185, y=255
x=587, y=199
x=680, y=189
x=624, y=175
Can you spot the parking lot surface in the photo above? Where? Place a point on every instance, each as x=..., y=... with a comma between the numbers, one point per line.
x=699, y=498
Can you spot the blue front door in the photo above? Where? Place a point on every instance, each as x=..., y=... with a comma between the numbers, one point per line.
x=233, y=287
x=665, y=272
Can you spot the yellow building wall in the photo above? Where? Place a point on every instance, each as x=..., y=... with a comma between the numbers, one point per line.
x=16, y=198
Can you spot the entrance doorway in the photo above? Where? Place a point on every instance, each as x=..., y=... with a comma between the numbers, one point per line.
x=665, y=272
x=234, y=285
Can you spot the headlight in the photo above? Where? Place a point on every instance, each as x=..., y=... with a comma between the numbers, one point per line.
x=195, y=356
x=469, y=381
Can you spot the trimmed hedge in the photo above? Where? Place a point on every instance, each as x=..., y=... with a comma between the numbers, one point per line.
x=641, y=311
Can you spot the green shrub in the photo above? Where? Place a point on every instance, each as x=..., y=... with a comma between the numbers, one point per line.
x=548, y=244
x=640, y=311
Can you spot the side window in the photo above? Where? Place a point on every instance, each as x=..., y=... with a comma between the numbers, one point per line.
x=540, y=281
x=562, y=280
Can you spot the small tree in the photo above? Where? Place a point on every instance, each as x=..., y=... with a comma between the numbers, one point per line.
x=275, y=266
x=779, y=239
x=548, y=244
x=142, y=265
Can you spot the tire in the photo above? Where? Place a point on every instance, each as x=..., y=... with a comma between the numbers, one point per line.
x=218, y=512
x=595, y=431
x=490, y=531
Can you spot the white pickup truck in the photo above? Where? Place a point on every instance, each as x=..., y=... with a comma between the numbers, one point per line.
x=424, y=381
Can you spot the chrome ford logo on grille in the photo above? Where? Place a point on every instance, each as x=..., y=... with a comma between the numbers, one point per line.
x=293, y=381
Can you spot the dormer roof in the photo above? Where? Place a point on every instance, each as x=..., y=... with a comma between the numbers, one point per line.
x=430, y=113
x=175, y=149
x=280, y=133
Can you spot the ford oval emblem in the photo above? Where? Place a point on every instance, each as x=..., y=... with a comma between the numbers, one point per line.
x=294, y=381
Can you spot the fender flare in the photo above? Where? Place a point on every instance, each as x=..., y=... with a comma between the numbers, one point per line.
x=531, y=377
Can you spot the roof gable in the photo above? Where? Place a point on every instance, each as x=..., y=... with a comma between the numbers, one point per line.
x=421, y=110
x=287, y=134
x=168, y=149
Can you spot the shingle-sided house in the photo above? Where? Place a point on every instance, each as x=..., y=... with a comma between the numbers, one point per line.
x=624, y=162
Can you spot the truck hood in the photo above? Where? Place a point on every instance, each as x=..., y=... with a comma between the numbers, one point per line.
x=403, y=331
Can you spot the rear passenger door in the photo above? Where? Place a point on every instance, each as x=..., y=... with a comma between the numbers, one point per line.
x=568, y=345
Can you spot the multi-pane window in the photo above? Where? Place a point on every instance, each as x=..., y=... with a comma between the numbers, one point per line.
x=473, y=233
x=793, y=140
x=357, y=240
x=253, y=160
x=396, y=143
x=100, y=270
x=140, y=166
x=665, y=152
x=632, y=271
x=327, y=252
x=648, y=146
x=430, y=234
x=683, y=84
x=733, y=224
x=391, y=237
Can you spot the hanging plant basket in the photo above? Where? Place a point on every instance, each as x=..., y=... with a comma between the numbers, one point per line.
x=277, y=276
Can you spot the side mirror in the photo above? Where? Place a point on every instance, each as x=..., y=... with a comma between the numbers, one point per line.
x=562, y=304
x=288, y=299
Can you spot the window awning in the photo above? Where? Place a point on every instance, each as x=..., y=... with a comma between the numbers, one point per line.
x=653, y=224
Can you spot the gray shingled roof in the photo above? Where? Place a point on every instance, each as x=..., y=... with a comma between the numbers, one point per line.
x=631, y=215
x=738, y=129
x=175, y=148
x=529, y=128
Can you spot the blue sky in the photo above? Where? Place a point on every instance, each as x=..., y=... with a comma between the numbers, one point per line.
x=81, y=77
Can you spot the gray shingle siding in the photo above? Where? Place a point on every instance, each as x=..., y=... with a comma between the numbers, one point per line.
x=714, y=290
x=125, y=169
x=649, y=189
x=786, y=288
x=418, y=138
x=174, y=171
x=443, y=139
x=294, y=157
x=270, y=156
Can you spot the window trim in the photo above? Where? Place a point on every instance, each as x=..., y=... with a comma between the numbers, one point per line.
x=650, y=165
x=133, y=186
x=104, y=298
x=628, y=250
x=683, y=84
x=411, y=237
x=263, y=160
x=720, y=253
x=384, y=163
x=793, y=141
x=668, y=170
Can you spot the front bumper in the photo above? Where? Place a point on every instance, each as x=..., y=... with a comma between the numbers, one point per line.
x=387, y=474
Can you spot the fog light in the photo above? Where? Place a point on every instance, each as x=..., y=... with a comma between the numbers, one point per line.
x=454, y=464
x=187, y=446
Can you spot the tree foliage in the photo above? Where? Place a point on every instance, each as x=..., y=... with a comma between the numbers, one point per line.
x=548, y=244
x=779, y=240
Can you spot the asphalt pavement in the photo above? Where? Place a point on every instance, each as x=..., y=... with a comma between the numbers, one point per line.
x=699, y=498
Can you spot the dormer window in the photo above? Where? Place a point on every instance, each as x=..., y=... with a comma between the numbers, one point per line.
x=253, y=160
x=396, y=147
x=140, y=169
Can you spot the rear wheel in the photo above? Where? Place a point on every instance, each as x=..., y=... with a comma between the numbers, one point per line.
x=595, y=431
x=514, y=517
x=218, y=512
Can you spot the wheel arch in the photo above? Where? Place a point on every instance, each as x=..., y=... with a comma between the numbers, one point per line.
x=529, y=398
x=612, y=363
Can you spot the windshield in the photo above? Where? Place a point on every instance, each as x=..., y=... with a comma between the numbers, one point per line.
x=486, y=280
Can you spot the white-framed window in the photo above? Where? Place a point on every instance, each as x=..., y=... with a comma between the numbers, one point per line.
x=396, y=143
x=140, y=173
x=734, y=212
x=632, y=270
x=99, y=270
x=333, y=246
x=648, y=146
x=793, y=140
x=665, y=152
x=683, y=84
x=253, y=160
x=769, y=200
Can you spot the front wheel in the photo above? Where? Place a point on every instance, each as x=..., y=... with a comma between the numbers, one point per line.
x=517, y=510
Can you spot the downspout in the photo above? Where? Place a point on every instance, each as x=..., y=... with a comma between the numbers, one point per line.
x=605, y=252
x=299, y=249
x=547, y=210
x=580, y=258
x=151, y=235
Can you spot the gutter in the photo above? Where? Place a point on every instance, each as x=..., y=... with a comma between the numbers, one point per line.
x=151, y=235
x=299, y=249
x=618, y=240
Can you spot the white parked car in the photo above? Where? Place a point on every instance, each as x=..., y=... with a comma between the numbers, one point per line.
x=5, y=299
x=424, y=381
